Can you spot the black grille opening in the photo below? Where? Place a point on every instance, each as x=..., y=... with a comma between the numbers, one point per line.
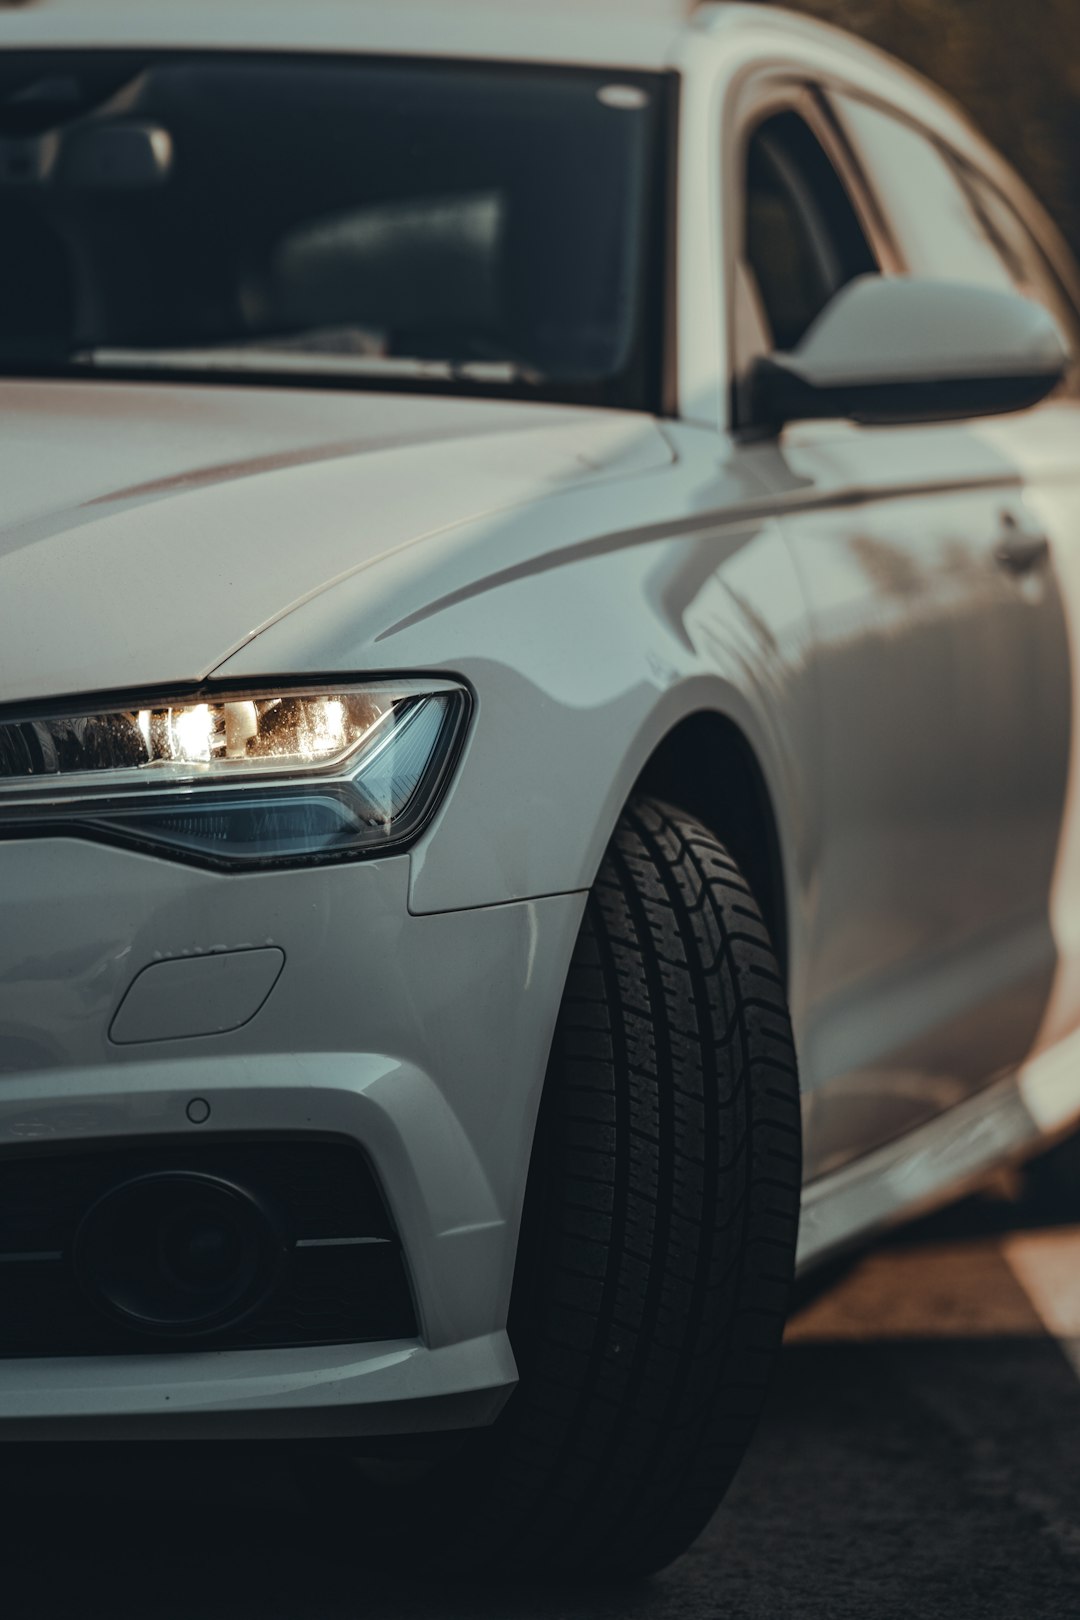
x=341, y=1277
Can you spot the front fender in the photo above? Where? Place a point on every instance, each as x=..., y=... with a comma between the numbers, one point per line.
x=588, y=627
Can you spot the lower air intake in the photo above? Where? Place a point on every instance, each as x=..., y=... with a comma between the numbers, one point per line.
x=250, y=1245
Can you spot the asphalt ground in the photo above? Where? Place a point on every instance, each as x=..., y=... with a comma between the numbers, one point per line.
x=920, y=1457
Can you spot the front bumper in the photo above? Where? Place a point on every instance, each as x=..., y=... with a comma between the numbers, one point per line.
x=424, y=1039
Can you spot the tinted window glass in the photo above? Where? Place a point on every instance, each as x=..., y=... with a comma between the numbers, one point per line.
x=328, y=217
x=803, y=239
x=937, y=226
x=1028, y=267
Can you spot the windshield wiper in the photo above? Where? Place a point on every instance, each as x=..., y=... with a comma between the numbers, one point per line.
x=267, y=361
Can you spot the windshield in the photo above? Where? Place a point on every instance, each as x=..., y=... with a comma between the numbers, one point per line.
x=328, y=221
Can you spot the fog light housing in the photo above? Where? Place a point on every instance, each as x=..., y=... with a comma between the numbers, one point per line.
x=179, y=1254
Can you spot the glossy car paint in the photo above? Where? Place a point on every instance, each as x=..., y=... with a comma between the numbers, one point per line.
x=597, y=579
x=423, y=1038
x=180, y=523
x=943, y=738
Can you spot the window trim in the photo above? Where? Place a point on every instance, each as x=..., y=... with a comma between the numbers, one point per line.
x=762, y=97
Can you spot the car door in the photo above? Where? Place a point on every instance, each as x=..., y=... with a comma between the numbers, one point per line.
x=941, y=666
x=998, y=236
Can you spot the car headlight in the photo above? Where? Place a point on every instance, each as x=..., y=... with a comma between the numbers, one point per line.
x=238, y=778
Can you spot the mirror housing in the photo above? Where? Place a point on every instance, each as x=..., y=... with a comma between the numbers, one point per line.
x=893, y=349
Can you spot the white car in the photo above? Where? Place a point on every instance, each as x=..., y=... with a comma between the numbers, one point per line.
x=533, y=552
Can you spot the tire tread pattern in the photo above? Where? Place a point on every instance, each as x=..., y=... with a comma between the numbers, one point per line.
x=661, y=1217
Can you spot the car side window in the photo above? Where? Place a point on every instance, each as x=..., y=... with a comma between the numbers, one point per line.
x=937, y=225
x=803, y=237
x=1029, y=269
x=950, y=221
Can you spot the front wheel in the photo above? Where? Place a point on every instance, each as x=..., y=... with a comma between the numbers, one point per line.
x=660, y=1225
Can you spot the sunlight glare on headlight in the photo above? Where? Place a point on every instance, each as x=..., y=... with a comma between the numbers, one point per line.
x=280, y=776
x=198, y=739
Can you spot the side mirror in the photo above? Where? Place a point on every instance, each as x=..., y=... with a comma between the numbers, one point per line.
x=899, y=349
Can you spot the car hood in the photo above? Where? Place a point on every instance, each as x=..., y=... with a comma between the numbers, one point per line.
x=148, y=532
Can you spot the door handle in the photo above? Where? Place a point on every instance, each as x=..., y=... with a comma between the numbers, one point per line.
x=1019, y=550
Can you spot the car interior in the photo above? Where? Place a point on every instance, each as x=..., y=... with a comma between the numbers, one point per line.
x=427, y=213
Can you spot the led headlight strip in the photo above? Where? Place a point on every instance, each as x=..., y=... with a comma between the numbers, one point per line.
x=237, y=778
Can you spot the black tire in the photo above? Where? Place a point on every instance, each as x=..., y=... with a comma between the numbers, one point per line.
x=660, y=1225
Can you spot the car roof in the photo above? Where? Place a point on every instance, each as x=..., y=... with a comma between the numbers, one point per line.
x=642, y=34
x=616, y=33
x=637, y=35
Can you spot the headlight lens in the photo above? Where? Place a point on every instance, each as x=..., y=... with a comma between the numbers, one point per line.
x=238, y=779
